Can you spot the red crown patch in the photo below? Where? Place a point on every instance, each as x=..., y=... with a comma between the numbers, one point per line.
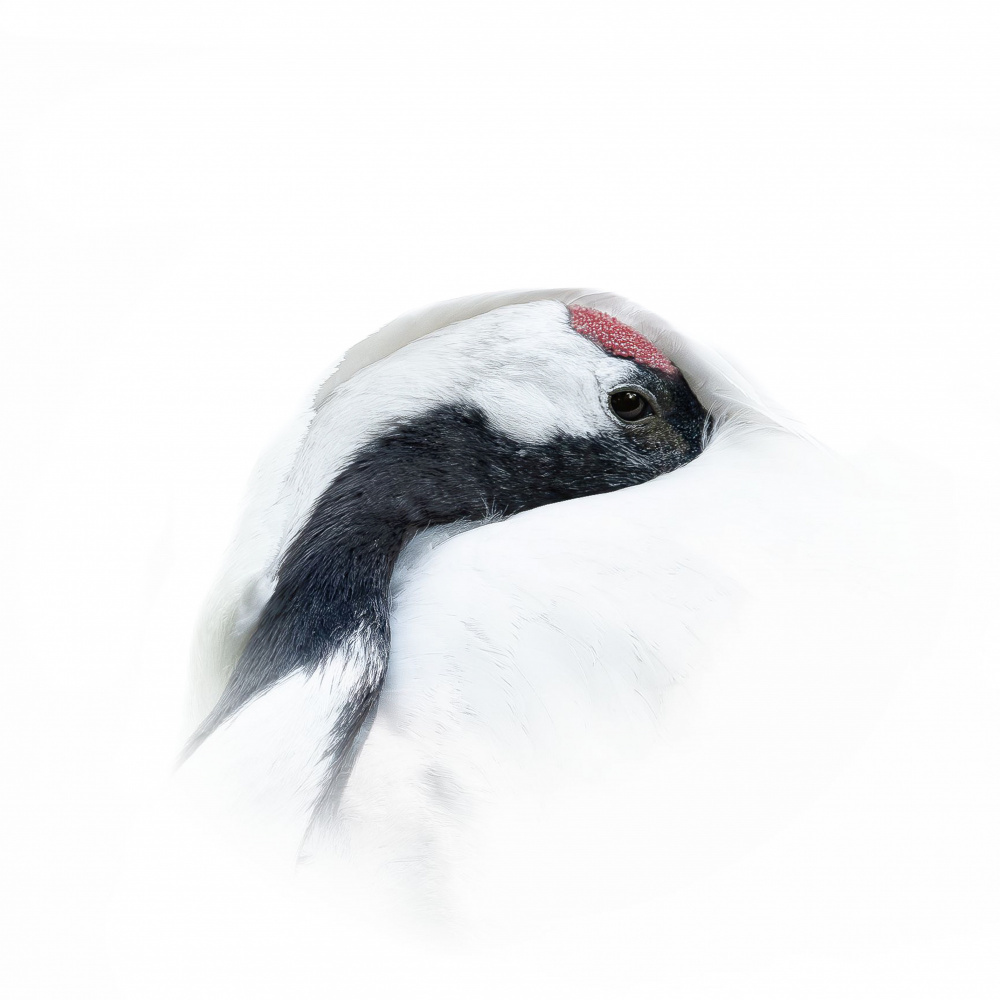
x=618, y=339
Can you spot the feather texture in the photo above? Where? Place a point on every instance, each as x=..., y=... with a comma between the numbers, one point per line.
x=532, y=653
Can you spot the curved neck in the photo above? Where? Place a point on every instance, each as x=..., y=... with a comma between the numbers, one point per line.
x=326, y=626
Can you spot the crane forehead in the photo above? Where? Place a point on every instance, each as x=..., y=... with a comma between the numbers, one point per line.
x=618, y=339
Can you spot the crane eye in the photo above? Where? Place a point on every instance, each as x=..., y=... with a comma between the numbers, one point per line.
x=629, y=405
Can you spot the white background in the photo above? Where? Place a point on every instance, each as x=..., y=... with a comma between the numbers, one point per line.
x=204, y=203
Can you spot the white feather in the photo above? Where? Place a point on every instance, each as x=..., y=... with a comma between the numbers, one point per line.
x=535, y=653
x=348, y=410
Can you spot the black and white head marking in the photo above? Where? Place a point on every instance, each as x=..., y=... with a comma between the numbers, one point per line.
x=577, y=418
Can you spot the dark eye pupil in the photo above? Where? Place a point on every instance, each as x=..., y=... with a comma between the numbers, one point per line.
x=630, y=405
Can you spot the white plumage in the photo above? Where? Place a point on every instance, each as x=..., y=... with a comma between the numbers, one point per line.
x=530, y=657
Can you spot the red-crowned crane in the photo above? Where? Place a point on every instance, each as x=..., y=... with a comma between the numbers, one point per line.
x=346, y=688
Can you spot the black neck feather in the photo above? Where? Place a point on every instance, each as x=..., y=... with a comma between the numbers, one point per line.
x=449, y=465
